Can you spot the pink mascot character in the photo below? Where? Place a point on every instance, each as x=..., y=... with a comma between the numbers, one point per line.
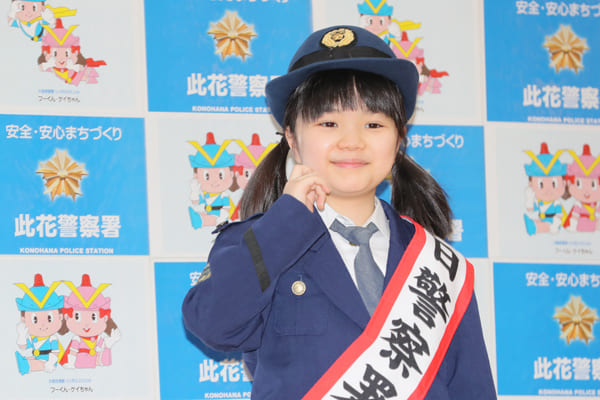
x=87, y=313
x=583, y=177
x=245, y=165
x=61, y=55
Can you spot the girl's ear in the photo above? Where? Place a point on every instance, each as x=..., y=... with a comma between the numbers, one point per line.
x=291, y=140
x=401, y=138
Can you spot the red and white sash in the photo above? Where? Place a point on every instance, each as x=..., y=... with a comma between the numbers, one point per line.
x=401, y=349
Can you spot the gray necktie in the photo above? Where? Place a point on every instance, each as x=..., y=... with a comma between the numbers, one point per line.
x=368, y=275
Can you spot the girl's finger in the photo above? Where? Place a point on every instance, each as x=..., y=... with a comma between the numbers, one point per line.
x=321, y=196
x=310, y=200
x=307, y=187
x=300, y=170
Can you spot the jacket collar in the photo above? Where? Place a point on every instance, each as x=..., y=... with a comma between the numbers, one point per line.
x=325, y=265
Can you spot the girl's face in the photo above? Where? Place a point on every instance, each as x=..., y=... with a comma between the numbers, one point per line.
x=86, y=323
x=586, y=190
x=353, y=151
x=243, y=178
x=62, y=55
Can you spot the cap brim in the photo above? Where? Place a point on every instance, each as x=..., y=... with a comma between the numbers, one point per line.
x=402, y=72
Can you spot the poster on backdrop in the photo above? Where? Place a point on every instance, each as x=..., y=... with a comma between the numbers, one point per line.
x=65, y=55
x=76, y=330
x=76, y=186
x=428, y=33
x=205, y=163
x=547, y=329
x=548, y=192
x=188, y=368
x=204, y=171
x=217, y=56
x=560, y=82
x=448, y=152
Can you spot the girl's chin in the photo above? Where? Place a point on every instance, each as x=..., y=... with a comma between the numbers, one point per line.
x=351, y=193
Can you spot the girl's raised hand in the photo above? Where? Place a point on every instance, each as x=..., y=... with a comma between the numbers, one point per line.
x=306, y=186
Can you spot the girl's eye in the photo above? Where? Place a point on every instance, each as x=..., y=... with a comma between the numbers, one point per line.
x=77, y=316
x=94, y=317
x=373, y=125
x=594, y=184
x=328, y=124
x=247, y=173
x=578, y=183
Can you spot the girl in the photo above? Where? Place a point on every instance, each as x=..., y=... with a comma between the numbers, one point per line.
x=87, y=313
x=61, y=54
x=320, y=312
x=583, y=176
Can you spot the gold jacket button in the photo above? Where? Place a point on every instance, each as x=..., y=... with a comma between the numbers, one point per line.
x=298, y=288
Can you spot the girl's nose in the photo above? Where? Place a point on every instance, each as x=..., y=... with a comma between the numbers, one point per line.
x=351, y=138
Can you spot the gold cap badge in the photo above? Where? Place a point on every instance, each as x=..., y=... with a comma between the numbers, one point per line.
x=339, y=37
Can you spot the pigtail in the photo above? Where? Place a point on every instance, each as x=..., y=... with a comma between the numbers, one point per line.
x=266, y=183
x=110, y=326
x=416, y=194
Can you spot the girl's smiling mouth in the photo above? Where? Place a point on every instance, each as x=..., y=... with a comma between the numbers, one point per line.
x=349, y=163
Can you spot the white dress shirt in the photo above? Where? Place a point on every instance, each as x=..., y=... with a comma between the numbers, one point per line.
x=379, y=242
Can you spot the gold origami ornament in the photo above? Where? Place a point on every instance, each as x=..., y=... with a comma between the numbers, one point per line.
x=566, y=49
x=62, y=175
x=232, y=36
x=576, y=320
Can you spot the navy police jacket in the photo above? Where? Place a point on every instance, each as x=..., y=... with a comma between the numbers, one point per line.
x=244, y=302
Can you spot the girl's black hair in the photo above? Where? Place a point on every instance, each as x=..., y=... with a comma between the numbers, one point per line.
x=415, y=193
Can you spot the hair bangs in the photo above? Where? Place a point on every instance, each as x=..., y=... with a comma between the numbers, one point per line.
x=344, y=90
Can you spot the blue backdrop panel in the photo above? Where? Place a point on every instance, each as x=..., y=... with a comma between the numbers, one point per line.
x=454, y=155
x=186, y=70
x=188, y=368
x=109, y=215
x=522, y=85
x=535, y=354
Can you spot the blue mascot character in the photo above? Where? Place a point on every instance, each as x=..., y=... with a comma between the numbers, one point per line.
x=41, y=322
x=212, y=183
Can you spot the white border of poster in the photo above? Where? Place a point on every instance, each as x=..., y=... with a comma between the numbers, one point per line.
x=127, y=294
x=181, y=141
x=508, y=159
x=108, y=31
